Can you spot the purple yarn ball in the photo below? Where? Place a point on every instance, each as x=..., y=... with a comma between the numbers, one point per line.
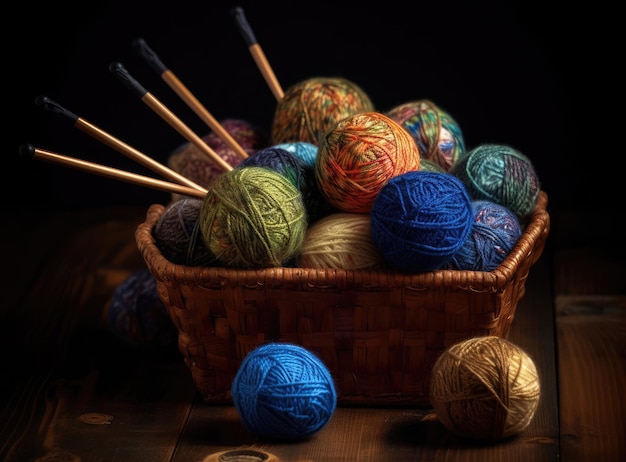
x=136, y=314
x=494, y=233
x=177, y=234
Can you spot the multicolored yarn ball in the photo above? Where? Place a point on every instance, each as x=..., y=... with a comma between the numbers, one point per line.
x=253, y=217
x=302, y=150
x=340, y=241
x=194, y=164
x=438, y=136
x=485, y=388
x=283, y=392
x=494, y=233
x=420, y=220
x=177, y=234
x=136, y=315
x=501, y=174
x=359, y=155
x=313, y=106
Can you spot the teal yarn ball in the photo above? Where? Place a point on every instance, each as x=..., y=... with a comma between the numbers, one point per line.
x=494, y=233
x=420, y=219
x=253, y=217
x=302, y=150
x=501, y=174
x=283, y=392
x=438, y=136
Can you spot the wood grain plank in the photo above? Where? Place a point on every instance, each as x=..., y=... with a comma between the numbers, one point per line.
x=592, y=374
x=590, y=305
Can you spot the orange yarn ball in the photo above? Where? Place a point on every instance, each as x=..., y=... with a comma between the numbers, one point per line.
x=359, y=155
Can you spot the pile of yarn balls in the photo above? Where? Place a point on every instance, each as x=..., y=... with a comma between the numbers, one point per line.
x=429, y=203
x=340, y=185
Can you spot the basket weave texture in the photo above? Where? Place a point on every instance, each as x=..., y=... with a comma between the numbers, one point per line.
x=378, y=332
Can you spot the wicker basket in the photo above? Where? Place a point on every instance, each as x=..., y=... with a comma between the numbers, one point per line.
x=378, y=332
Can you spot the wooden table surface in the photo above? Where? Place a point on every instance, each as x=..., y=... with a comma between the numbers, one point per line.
x=72, y=392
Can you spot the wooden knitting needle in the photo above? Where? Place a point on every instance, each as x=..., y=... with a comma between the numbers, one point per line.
x=29, y=151
x=111, y=141
x=122, y=74
x=142, y=48
x=257, y=52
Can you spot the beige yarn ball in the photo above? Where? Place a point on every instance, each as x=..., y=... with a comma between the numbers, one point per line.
x=341, y=240
x=484, y=388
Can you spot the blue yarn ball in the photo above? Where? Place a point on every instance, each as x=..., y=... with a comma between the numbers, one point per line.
x=420, y=219
x=495, y=232
x=283, y=391
x=304, y=151
x=136, y=314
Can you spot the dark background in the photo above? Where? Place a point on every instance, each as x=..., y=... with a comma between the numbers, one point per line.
x=540, y=76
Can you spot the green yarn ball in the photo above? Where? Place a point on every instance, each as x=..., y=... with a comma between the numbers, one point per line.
x=500, y=174
x=253, y=217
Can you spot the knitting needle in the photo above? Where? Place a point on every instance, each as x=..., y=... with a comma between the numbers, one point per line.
x=142, y=48
x=122, y=74
x=106, y=138
x=29, y=151
x=257, y=52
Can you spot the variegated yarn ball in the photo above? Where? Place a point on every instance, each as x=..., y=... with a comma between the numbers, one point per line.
x=359, y=155
x=313, y=106
x=438, y=136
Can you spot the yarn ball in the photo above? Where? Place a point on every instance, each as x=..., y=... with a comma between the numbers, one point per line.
x=302, y=150
x=438, y=136
x=284, y=392
x=340, y=241
x=501, y=174
x=248, y=135
x=188, y=160
x=313, y=106
x=494, y=233
x=253, y=217
x=136, y=315
x=485, y=388
x=359, y=155
x=420, y=220
x=177, y=234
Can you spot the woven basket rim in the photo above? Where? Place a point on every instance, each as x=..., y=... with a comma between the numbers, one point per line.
x=163, y=269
